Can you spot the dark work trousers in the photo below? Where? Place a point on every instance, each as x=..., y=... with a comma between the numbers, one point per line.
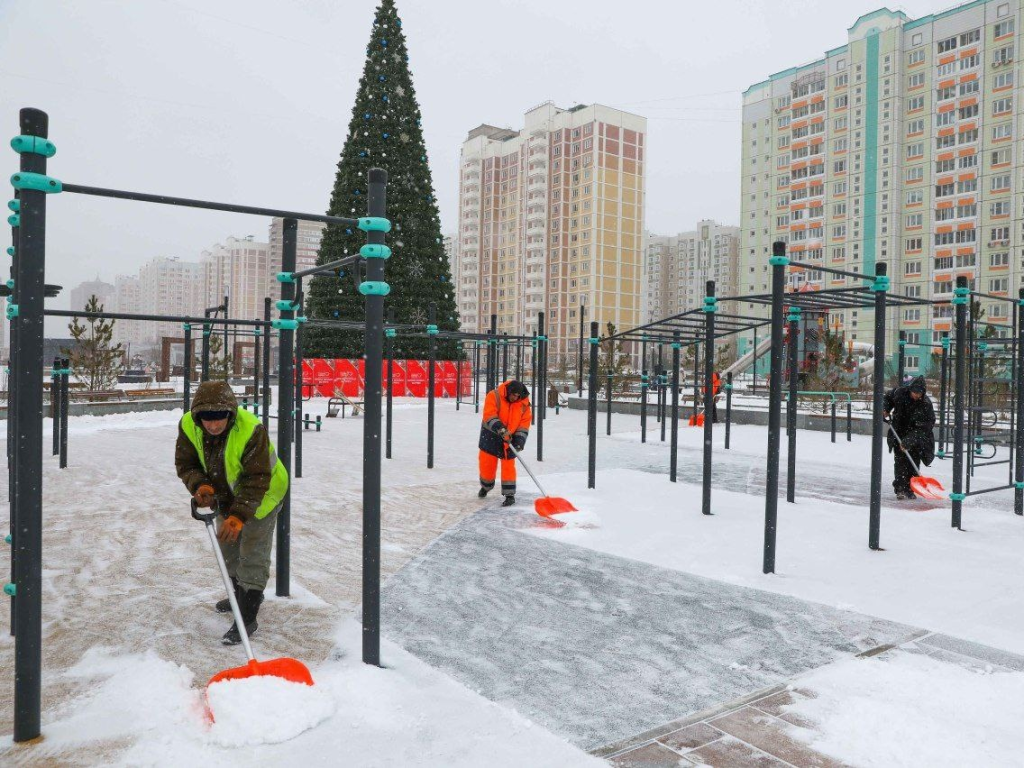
x=903, y=470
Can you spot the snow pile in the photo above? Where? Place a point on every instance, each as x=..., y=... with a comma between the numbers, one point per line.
x=132, y=694
x=406, y=714
x=264, y=710
x=909, y=709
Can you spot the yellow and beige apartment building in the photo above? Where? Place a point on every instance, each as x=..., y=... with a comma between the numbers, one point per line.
x=552, y=217
x=899, y=146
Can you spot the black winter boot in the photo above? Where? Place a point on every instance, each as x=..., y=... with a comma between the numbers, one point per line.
x=249, y=606
x=483, y=492
x=509, y=501
x=224, y=605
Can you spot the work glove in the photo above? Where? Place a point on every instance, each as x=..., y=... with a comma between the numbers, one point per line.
x=229, y=531
x=518, y=441
x=502, y=432
x=204, y=495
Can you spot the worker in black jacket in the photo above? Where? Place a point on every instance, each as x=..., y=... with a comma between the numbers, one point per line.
x=913, y=419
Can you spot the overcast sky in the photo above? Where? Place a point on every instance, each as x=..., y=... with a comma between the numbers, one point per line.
x=247, y=101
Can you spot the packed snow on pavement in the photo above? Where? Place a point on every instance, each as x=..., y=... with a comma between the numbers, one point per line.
x=130, y=635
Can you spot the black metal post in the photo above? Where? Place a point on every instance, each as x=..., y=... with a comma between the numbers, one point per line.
x=27, y=510
x=227, y=348
x=943, y=395
x=791, y=404
x=710, y=306
x=901, y=360
x=431, y=356
x=542, y=365
x=673, y=458
x=833, y=419
x=390, y=349
x=849, y=421
x=492, y=355
x=286, y=403
x=608, y=428
x=504, y=356
x=374, y=347
x=186, y=370
x=643, y=390
x=1018, y=436
x=519, y=359
x=205, y=369
x=754, y=369
x=880, y=287
x=592, y=410
x=476, y=377
x=583, y=312
x=696, y=382
x=268, y=329
x=64, y=398
x=257, y=340
x=961, y=297
x=298, y=380
x=771, y=498
x=534, y=357
x=728, y=408
x=55, y=404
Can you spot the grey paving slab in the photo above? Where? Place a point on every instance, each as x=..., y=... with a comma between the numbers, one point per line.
x=598, y=648
x=974, y=650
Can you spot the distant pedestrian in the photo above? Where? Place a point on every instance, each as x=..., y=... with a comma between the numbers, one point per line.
x=913, y=418
x=506, y=420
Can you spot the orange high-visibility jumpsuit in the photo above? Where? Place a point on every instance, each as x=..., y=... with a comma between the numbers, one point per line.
x=516, y=418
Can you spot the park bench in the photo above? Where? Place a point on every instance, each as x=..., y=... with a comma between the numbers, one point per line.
x=98, y=396
x=136, y=394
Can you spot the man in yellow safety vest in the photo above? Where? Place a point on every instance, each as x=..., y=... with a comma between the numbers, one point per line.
x=223, y=455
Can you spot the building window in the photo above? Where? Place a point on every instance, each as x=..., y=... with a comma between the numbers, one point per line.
x=1003, y=28
x=1002, y=55
x=1000, y=106
x=1003, y=131
x=916, y=80
x=947, y=45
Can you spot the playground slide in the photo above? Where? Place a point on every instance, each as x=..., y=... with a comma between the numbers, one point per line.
x=747, y=360
x=858, y=348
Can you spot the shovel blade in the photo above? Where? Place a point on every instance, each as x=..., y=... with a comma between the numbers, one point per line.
x=696, y=421
x=292, y=670
x=546, y=506
x=927, y=487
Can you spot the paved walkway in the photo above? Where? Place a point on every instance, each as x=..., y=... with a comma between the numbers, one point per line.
x=598, y=648
x=756, y=730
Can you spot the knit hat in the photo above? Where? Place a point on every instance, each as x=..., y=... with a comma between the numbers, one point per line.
x=918, y=385
x=517, y=388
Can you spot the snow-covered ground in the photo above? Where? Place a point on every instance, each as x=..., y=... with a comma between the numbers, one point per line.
x=129, y=630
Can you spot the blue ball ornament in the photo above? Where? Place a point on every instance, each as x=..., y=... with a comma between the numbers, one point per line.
x=348, y=231
x=387, y=135
x=366, y=116
x=382, y=78
x=384, y=42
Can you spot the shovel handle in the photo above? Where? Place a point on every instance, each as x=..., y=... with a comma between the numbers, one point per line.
x=527, y=468
x=208, y=518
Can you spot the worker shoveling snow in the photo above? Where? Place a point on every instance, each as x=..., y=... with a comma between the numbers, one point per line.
x=264, y=710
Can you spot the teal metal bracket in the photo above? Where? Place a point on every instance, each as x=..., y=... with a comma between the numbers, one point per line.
x=14, y=205
x=881, y=283
x=374, y=287
x=778, y=261
x=285, y=277
x=958, y=496
x=374, y=224
x=710, y=304
x=34, y=145
x=375, y=251
x=37, y=182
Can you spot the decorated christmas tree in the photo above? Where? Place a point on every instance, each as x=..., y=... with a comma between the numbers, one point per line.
x=385, y=132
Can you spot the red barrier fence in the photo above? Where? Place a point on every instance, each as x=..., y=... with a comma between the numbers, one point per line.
x=327, y=378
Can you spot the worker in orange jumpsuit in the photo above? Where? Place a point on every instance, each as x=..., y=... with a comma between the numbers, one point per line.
x=506, y=419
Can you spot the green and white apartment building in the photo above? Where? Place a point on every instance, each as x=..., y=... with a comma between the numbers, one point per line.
x=900, y=146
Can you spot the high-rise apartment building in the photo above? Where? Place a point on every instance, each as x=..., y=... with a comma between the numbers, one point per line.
x=677, y=268
x=307, y=248
x=169, y=286
x=451, y=252
x=79, y=296
x=238, y=268
x=128, y=298
x=550, y=217
x=898, y=147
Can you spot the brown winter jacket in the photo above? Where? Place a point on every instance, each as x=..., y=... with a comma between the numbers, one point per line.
x=256, y=467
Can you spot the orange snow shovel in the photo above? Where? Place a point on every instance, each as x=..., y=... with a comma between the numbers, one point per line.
x=545, y=506
x=925, y=487
x=292, y=670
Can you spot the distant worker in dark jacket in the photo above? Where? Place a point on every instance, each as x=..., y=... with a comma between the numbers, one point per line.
x=913, y=418
x=224, y=456
x=506, y=419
